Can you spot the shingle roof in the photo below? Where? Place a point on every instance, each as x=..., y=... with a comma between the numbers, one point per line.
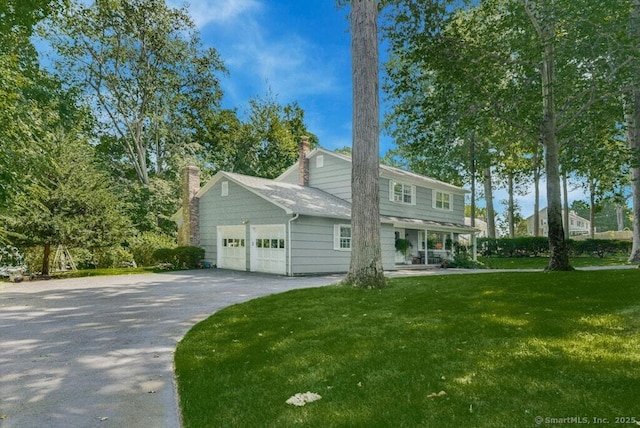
x=294, y=198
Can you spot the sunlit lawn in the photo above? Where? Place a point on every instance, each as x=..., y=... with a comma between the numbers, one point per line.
x=504, y=348
x=542, y=262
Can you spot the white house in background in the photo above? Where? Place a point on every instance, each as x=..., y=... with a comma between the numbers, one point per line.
x=300, y=223
x=480, y=224
x=577, y=224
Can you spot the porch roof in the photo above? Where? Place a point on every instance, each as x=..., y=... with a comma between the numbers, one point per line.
x=414, y=223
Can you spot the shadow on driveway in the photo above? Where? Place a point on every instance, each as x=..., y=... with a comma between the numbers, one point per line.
x=98, y=351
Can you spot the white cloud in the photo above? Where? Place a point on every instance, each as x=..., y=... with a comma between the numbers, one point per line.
x=204, y=12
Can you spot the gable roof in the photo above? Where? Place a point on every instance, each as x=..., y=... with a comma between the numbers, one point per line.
x=385, y=171
x=292, y=198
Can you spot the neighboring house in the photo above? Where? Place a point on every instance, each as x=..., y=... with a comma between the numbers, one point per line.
x=577, y=225
x=300, y=223
x=480, y=224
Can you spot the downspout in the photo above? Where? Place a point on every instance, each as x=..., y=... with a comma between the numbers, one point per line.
x=295, y=217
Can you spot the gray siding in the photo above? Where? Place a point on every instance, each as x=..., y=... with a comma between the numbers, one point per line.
x=423, y=209
x=312, y=246
x=333, y=177
x=238, y=206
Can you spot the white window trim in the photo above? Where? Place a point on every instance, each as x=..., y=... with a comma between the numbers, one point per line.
x=319, y=161
x=435, y=199
x=392, y=198
x=336, y=237
x=224, y=188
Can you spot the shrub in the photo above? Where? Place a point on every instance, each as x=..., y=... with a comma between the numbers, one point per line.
x=182, y=257
x=600, y=247
x=523, y=246
x=189, y=257
x=144, y=245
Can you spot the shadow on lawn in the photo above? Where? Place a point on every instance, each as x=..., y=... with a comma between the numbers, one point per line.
x=504, y=348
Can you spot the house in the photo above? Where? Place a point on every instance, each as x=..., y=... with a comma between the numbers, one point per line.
x=577, y=225
x=300, y=222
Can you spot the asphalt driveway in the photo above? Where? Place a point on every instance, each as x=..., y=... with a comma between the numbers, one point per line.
x=98, y=352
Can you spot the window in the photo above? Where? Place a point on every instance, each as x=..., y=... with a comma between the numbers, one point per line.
x=442, y=201
x=342, y=237
x=319, y=161
x=225, y=188
x=402, y=193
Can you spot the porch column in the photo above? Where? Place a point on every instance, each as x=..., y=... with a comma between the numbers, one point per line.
x=474, y=243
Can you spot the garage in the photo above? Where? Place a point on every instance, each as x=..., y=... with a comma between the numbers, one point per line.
x=232, y=252
x=268, y=249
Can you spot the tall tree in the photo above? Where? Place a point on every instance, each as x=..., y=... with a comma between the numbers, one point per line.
x=147, y=74
x=68, y=206
x=365, y=269
x=632, y=119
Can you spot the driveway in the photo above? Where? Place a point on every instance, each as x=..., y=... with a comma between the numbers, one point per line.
x=98, y=352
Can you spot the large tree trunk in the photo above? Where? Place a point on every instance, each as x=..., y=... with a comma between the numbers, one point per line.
x=366, y=256
x=633, y=135
x=488, y=197
x=558, y=249
x=45, y=259
x=633, y=138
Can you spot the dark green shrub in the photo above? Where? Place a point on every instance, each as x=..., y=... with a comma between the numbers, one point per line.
x=143, y=246
x=164, y=255
x=180, y=257
x=600, y=247
x=189, y=257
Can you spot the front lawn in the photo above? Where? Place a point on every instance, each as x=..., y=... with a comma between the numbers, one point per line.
x=487, y=350
x=542, y=262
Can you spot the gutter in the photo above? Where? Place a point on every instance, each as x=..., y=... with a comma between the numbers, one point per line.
x=295, y=217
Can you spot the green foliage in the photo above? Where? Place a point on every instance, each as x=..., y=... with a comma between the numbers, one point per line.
x=547, y=344
x=181, y=257
x=600, y=247
x=524, y=246
x=143, y=246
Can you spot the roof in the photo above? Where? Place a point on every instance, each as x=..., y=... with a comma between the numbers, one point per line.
x=441, y=225
x=387, y=172
x=292, y=198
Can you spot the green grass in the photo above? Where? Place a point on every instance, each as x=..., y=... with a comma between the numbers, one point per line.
x=542, y=262
x=504, y=347
x=105, y=271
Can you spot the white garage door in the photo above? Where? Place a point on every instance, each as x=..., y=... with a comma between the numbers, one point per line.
x=268, y=249
x=232, y=252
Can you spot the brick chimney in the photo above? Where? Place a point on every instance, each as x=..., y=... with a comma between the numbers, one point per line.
x=303, y=162
x=190, y=233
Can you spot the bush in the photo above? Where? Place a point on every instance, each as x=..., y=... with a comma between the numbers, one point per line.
x=524, y=246
x=144, y=245
x=462, y=259
x=600, y=247
x=182, y=257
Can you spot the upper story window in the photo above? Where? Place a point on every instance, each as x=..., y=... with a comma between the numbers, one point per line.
x=319, y=161
x=442, y=201
x=225, y=188
x=402, y=193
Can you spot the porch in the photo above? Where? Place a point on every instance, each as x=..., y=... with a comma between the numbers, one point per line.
x=425, y=247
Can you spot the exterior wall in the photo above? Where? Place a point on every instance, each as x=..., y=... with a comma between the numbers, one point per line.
x=423, y=209
x=240, y=205
x=313, y=251
x=334, y=176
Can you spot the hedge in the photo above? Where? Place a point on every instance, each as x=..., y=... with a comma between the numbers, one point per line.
x=533, y=246
x=181, y=257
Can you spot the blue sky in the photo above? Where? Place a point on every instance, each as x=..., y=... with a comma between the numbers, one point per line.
x=300, y=50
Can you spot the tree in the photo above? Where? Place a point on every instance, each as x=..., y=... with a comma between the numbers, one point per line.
x=71, y=206
x=147, y=74
x=365, y=269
